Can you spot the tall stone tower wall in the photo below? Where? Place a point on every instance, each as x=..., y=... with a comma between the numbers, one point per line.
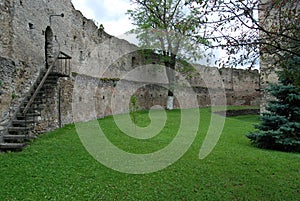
x=281, y=20
x=267, y=62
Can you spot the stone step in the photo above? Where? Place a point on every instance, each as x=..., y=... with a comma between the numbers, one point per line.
x=47, y=88
x=52, y=77
x=50, y=82
x=18, y=137
x=39, y=97
x=36, y=102
x=12, y=146
x=20, y=128
x=39, y=93
x=33, y=109
x=18, y=122
x=28, y=115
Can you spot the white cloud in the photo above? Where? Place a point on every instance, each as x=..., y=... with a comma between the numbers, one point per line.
x=110, y=13
x=87, y=11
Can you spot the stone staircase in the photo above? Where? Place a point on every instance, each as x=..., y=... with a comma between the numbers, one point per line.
x=20, y=129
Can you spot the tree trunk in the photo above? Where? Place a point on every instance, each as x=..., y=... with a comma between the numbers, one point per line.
x=170, y=69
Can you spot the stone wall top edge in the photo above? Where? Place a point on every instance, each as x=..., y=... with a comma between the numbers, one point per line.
x=112, y=81
x=91, y=23
x=223, y=68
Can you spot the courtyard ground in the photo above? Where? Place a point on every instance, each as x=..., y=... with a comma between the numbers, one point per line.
x=56, y=166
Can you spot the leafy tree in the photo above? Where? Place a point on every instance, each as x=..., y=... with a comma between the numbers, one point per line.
x=101, y=27
x=280, y=126
x=166, y=26
x=267, y=29
x=258, y=28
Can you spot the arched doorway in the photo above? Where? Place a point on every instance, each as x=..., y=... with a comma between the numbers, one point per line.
x=48, y=46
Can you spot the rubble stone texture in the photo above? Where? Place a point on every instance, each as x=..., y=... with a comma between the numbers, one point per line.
x=100, y=62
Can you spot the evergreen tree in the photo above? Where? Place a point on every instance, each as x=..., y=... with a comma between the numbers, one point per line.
x=280, y=126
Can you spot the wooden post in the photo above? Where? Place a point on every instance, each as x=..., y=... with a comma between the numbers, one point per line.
x=59, y=107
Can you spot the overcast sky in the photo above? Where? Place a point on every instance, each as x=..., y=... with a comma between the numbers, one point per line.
x=110, y=13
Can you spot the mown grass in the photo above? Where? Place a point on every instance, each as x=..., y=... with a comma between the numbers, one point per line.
x=57, y=167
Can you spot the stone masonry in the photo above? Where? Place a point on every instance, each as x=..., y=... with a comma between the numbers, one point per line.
x=100, y=64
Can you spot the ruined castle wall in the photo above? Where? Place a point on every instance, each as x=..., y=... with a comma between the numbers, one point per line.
x=6, y=31
x=245, y=85
x=8, y=73
x=241, y=86
x=89, y=97
x=271, y=20
x=101, y=59
x=26, y=33
x=23, y=25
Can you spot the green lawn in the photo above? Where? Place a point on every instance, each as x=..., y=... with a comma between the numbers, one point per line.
x=56, y=166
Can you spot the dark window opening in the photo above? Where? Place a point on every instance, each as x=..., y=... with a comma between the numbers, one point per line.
x=81, y=56
x=48, y=44
x=103, y=97
x=30, y=25
x=133, y=61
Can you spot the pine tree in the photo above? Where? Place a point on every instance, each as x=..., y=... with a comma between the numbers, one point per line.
x=280, y=126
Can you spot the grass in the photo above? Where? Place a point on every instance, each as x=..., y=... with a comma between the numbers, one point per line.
x=57, y=167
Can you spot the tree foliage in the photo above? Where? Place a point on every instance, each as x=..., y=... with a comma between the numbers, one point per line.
x=251, y=29
x=280, y=126
x=254, y=27
x=166, y=26
x=268, y=29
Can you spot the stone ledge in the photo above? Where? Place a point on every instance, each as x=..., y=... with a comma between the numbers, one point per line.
x=232, y=113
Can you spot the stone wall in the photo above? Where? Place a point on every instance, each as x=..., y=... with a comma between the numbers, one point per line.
x=6, y=31
x=7, y=74
x=271, y=20
x=23, y=25
x=15, y=79
x=241, y=86
x=100, y=64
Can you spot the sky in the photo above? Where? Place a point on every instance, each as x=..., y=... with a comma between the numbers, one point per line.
x=110, y=13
